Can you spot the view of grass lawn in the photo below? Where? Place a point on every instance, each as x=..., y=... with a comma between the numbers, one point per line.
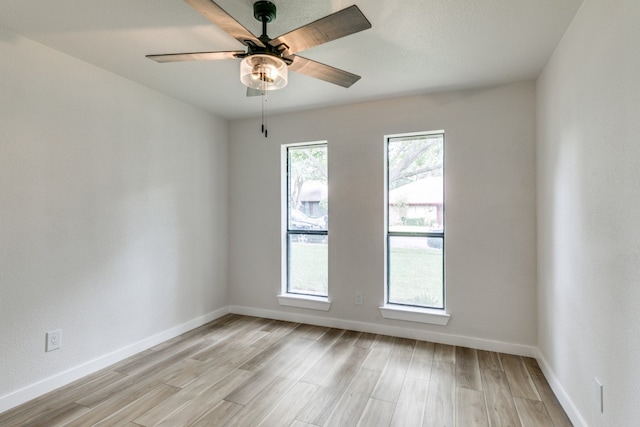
x=416, y=276
x=308, y=263
x=416, y=273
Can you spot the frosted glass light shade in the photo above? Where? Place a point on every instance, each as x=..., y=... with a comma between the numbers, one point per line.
x=263, y=72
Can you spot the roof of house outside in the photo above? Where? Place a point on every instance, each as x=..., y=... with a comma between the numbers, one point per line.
x=426, y=191
x=313, y=191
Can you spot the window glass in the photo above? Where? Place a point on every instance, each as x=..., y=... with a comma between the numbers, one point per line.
x=415, y=271
x=308, y=264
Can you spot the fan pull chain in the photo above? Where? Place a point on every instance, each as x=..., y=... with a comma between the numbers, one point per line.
x=264, y=114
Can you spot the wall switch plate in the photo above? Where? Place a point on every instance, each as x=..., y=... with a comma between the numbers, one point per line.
x=359, y=298
x=598, y=394
x=54, y=340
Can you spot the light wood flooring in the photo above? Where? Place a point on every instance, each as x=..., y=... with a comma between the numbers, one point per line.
x=247, y=371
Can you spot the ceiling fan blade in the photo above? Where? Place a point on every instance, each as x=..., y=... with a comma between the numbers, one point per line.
x=323, y=72
x=342, y=23
x=196, y=56
x=222, y=19
x=254, y=92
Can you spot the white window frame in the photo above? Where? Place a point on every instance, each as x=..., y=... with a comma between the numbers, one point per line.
x=435, y=316
x=285, y=298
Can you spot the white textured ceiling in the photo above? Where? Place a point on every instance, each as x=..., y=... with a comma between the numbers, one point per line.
x=414, y=46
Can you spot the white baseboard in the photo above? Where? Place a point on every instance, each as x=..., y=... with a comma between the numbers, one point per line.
x=32, y=391
x=459, y=340
x=563, y=397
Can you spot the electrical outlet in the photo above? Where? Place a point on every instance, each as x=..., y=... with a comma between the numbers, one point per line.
x=54, y=340
x=598, y=394
x=359, y=298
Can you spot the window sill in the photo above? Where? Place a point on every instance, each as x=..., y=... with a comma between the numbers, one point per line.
x=304, y=301
x=415, y=314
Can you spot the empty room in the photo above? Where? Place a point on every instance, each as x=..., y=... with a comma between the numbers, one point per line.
x=320, y=213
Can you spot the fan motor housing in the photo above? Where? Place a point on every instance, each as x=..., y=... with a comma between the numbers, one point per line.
x=264, y=11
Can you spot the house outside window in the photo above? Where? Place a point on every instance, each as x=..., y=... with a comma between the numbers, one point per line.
x=307, y=220
x=415, y=220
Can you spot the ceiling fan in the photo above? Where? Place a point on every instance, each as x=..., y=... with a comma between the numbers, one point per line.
x=266, y=61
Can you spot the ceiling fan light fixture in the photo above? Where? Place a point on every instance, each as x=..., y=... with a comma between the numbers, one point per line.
x=263, y=72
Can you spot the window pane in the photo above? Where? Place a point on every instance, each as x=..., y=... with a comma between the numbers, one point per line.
x=416, y=271
x=416, y=184
x=308, y=264
x=307, y=188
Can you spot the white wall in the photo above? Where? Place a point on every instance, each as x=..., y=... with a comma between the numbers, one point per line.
x=490, y=209
x=113, y=214
x=588, y=167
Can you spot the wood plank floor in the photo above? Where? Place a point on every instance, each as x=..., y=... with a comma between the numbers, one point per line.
x=247, y=371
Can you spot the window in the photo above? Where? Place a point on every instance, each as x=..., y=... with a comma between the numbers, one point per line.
x=306, y=220
x=415, y=220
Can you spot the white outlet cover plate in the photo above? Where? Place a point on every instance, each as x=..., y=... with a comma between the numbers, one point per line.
x=54, y=340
